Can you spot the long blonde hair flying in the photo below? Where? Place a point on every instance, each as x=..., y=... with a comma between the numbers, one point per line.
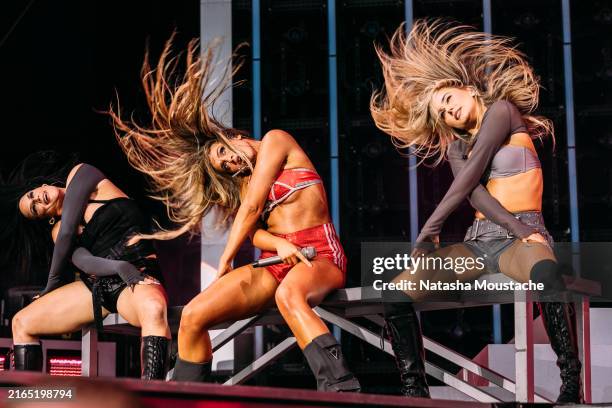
x=434, y=55
x=172, y=151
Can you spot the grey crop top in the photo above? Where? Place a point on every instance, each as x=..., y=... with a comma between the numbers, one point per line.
x=500, y=121
x=511, y=160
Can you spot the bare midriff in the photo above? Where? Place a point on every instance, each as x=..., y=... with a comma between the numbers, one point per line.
x=520, y=192
x=303, y=209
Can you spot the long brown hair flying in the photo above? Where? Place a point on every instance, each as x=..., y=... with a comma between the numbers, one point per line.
x=172, y=151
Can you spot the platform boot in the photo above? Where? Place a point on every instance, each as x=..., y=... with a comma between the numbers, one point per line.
x=188, y=371
x=324, y=356
x=28, y=357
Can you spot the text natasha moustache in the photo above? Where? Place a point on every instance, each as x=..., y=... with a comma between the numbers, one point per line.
x=456, y=285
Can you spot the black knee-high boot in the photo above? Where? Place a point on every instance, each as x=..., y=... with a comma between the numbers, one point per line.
x=187, y=371
x=153, y=357
x=558, y=321
x=324, y=356
x=28, y=357
x=559, y=324
x=404, y=331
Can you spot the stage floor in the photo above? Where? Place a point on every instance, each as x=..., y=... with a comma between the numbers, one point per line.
x=192, y=395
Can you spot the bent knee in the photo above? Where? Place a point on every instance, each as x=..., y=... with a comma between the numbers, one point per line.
x=288, y=298
x=153, y=310
x=22, y=324
x=193, y=319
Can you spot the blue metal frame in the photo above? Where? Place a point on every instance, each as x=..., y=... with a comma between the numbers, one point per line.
x=487, y=23
x=334, y=166
x=333, y=114
x=256, y=30
x=256, y=63
x=570, y=123
x=413, y=185
x=487, y=20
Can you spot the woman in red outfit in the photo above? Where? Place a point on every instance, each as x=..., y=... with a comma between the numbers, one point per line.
x=276, y=197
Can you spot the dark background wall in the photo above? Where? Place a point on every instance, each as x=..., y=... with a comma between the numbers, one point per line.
x=63, y=61
x=60, y=66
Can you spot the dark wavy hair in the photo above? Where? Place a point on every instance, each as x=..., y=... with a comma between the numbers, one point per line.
x=27, y=242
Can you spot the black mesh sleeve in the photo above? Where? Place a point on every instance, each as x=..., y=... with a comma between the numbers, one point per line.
x=494, y=130
x=483, y=201
x=77, y=195
x=94, y=265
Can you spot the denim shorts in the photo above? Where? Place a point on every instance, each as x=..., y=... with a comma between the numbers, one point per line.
x=489, y=240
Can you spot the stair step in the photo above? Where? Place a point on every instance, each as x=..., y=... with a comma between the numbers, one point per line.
x=500, y=358
x=450, y=393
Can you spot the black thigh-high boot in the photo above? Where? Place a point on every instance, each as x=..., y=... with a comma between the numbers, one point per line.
x=28, y=357
x=404, y=331
x=324, y=356
x=187, y=371
x=153, y=357
x=558, y=321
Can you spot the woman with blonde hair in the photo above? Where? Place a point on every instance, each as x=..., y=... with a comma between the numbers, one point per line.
x=274, y=195
x=454, y=93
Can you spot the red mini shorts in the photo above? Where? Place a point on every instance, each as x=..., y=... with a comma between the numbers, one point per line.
x=322, y=237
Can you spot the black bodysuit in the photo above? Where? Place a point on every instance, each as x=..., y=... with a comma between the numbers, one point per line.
x=501, y=120
x=112, y=265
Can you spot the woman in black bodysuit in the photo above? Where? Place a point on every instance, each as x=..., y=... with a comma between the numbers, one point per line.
x=468, y=97
x=92, y=223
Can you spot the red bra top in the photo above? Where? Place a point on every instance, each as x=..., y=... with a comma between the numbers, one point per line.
x=288, y=182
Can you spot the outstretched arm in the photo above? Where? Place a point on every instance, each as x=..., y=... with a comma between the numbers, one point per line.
x=82, y=181
x=494, y=131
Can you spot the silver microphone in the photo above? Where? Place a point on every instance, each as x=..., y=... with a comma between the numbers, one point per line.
x=308, y=252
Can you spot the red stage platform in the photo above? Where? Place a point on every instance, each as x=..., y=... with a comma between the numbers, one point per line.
x=160, y=394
